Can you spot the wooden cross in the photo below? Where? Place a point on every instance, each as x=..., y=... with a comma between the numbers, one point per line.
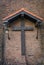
x=22, y=29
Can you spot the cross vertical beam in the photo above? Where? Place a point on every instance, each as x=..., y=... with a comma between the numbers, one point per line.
x=23, y=47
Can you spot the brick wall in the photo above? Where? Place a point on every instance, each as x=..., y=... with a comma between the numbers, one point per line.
x=13, y=46
x=9, y=6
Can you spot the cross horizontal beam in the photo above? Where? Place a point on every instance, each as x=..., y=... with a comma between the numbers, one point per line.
x=22, y=28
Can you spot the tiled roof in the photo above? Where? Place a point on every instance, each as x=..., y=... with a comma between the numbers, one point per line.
x=22, y=9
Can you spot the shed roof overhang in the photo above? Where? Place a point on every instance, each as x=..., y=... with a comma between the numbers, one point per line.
x=25, y=12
